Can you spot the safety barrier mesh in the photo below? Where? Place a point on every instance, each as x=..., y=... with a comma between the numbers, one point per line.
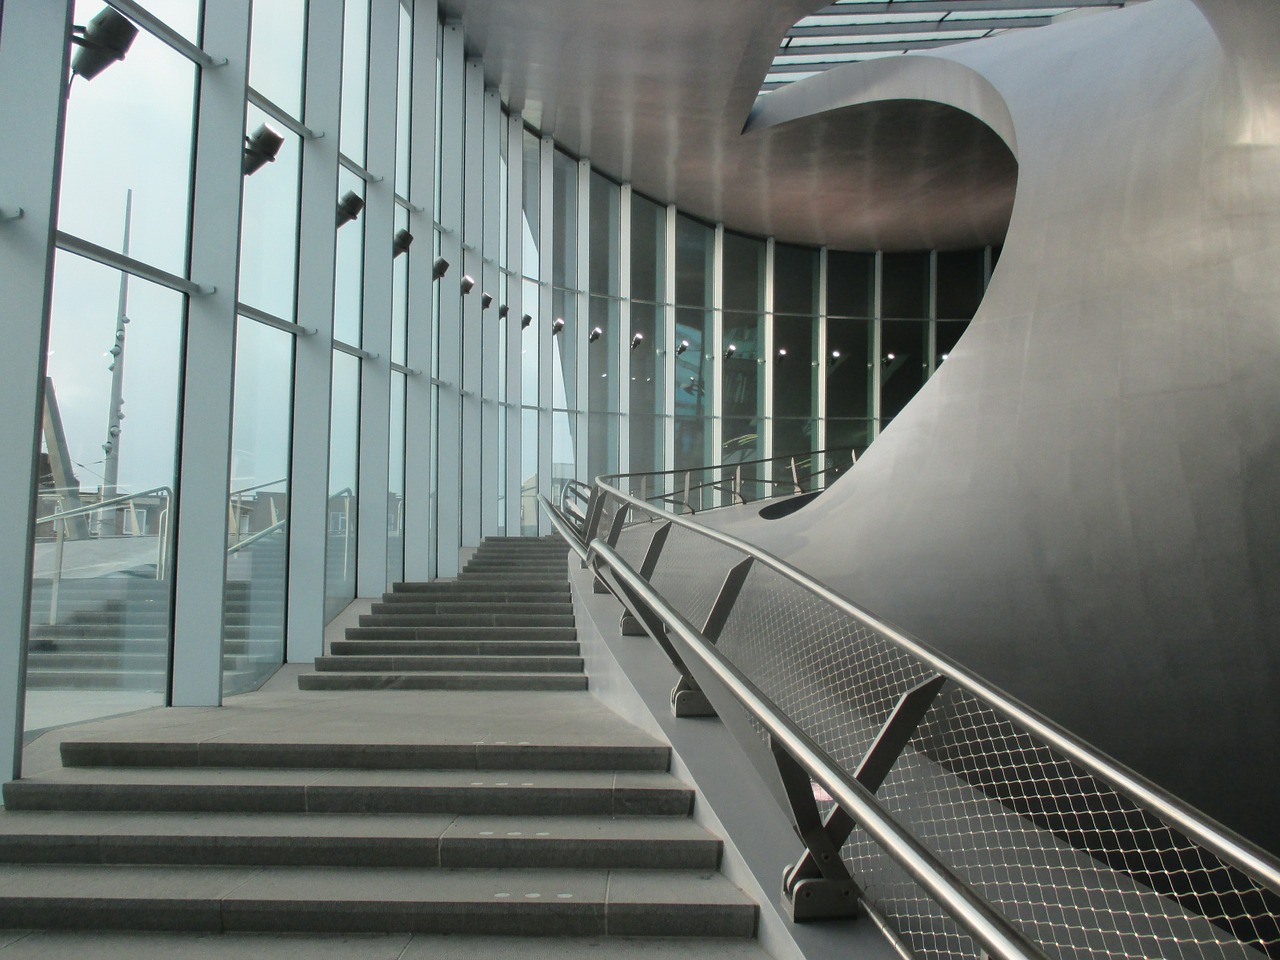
x=1082, y=869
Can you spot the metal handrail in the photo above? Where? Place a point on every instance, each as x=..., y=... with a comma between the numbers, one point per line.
x=990, y=928
x=723, y=466
x=257, y=486
x=1217, y=838
x=254, y=538
x=95, y=507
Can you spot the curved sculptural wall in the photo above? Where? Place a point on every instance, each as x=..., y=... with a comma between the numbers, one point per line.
x=1084, y=504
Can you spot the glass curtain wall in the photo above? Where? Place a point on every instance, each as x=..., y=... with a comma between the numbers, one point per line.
x=695, y=359
x=795, y=361
x=742, y=348
x=648, y=323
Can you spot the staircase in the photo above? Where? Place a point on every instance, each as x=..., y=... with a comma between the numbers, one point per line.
x=513, y=809
x=505, y=623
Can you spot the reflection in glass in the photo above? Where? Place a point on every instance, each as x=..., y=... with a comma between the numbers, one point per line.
x=564, y=222
x=602, y=388
x=258, y=507
x=344, y=432
x=904, y=364
x=648, y=250
x=606, y=212
x=848, y=367
x=529, y=473
x=904, y=284
x=101, y=588
x=693, y=380
x=646, y=387
x=355, y=80
x=949, y=334
x=851, y=281
x=404, y=101
x=131, y=128
x=395, y=482
x=961, y=283
x=400, y=294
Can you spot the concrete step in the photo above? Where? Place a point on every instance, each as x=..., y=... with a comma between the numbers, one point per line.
x=154, y=662
x=377, y=663
x=357, y=840
x=442, y=681
x=486, y=598
x=104, y=679
x=517, y=563
x=157, y=630
x=374, y=900
x=405, y=605
x=493, y=618
x=224, y=754
x=454, y=648
x=476, y=793
x=487, y=589
x=462, y=633
x=523, y=577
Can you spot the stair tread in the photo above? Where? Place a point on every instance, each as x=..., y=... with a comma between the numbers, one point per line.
x=314, y=777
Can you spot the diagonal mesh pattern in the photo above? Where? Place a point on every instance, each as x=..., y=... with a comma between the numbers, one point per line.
x=1080, y=868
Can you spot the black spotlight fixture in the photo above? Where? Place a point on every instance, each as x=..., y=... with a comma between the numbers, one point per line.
x=557, y=325
x=503, y=312
x=637, y=340
x=439, y=268
x=260, y=148
x=594, y=335
x=730, y=350
x=104, y=40
x=684, y=345
x=525, y=321
x=349, y=207
x=468, y=282
x=400, y=243
x=486, y=301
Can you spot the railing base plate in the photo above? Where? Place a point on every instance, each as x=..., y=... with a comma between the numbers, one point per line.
x=690, y=703
x=631, y=627
x=819, y=899
x=598, y=586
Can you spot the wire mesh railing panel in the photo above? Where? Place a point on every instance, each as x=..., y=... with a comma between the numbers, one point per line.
x=1080, y=867
x=691, y=571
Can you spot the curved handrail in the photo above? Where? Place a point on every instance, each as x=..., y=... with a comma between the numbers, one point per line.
x=725, y=466
x=1217, y=838
x=257, y=486
x=95, y=507
x=991, y=929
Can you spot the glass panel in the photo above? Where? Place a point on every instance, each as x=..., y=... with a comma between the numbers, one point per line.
x=949, y=334
x=602, y=388
x=844, y=435
x=182, y=15
x=257, y=551
x=404, y=101
x=565, y=346
x=646, y=444
x=564, y=432
x=904, y=292
x=795, y=273
x=101, y=586
x=849, y=360
x=532, y=208
x=344, y=434
x=355, y=79
x=400, y=294
x=742, y=399
x=131, y=128
x=395, y=482
x=648, y=250
x=794, y=377
x=276, y=52
x=693, y=380
x=530, y=343
x=851, y=279
x=695, y=249
x=904, y=364
x=606, y=213
x=564, y=224
x=961, y=281
x=269, y=227
x=529, y=472
x=348, y=275
x=744, y=273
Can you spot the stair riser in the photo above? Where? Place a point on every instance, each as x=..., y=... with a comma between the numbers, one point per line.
x=376, y=664
x=550, y=608
x=474, y=801
x=405, y=851
x=562, y=634
x=427, y=681
x=466, y=620
x=332, y=756
x=447, y=648
x=486, y=591
x=541, y=918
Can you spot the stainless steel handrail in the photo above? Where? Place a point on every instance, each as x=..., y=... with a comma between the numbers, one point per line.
x=95, y=507
x=991, y=929
x=254, y=538
x=725, y=466
x=1217, y=838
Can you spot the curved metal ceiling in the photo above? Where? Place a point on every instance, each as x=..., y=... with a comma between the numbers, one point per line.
x=657, y=94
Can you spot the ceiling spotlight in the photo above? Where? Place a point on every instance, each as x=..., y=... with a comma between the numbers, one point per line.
x=467, y=282
x=890, y=356
x=835, y=354
x=637, y=340
x=260, y=148
x=782, y=352
x=400, y=243
x=594, y=335
x=105, y=40
x=486, y=301
x=439, y=268
x=945, y=355
x=349, y=207
x=503, y=312
x=557, y=325
x=684, y=345
x=525, y=321
x=730, y=350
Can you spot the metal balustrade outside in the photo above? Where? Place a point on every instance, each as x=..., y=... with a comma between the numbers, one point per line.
x=1085, y=857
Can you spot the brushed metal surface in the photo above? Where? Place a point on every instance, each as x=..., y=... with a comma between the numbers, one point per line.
x=1084, y=504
